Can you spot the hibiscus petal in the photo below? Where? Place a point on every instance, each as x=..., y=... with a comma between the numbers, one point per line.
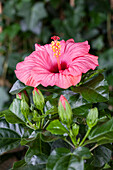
x=38, y=47
x=73, y=50
x=50, y=79
x=65, y=81
x=81, y=65
x=24, y=69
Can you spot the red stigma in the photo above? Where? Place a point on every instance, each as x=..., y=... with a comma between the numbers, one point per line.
x=55, y=38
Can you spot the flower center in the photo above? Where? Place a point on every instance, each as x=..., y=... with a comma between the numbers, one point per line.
x=56, y=47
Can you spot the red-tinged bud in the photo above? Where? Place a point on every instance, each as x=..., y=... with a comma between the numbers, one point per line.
x=23, y=95
x=64, y=110
x=38, y=99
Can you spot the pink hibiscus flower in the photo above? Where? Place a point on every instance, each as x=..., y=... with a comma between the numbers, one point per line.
x=60, y=63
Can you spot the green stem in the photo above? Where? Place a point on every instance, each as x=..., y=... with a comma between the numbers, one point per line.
x=69, y=143
x=42, y=121
x=89, y=129
x=94, y=147
x=46, y=124
x=73, y=138
x=31, y=125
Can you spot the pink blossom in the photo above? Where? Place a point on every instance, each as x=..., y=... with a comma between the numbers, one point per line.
x=63, y=100
x=60, y=63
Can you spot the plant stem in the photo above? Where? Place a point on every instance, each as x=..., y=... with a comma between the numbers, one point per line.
x=42, y=121
x=69, y=143
x=94, y=147
x=46, y=124
x=73, y=138
x=89, y=129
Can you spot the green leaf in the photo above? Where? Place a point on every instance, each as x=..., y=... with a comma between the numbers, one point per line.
x=55, y=127
x=19, y=164
x=1, y=62
x=9, y=9
x=48, y=137
x=38, y=12
x=82, y=152
x=10, y=136
x=69, y=161
x=29, y=138
x=34, y=157
x=17, y=87
x=102, y=155
x=55, y=156
x=15, y=109
x=12, y=30
x=10, y=117
x=38, y=152
x=31, y=167
x=3, y=97
x=95, y=90
x=102, y=133
x=98, y=43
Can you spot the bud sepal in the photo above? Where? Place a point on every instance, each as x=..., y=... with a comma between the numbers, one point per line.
x=64, y=110
x=92, y=117
x=38, y=99
x=23, y=95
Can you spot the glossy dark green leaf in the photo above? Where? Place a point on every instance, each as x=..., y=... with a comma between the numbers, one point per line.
x=102, y=155
x=95, y=90
x=38, y=152
x=25, y=141
x=10, y=117
x=55, y=156
x=32, y=167
x=48, y=137
x=19, y=164
x=15, y=109
x=55, y=127
x=15, y=127
x=82, y=152
x=102, y=133
x=10, y=136
x=34, y=157
x=17, y=87
x=69, y=161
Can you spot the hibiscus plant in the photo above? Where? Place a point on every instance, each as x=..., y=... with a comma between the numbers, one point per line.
x=60, y=112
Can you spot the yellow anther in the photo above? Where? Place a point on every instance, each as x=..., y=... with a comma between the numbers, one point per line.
x=56, y=47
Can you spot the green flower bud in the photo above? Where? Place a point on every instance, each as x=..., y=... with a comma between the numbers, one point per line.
x=23, y=95
x=38, y=99
x=75, y=129
x=92, y=117
x=64, y=110
x=25, y=108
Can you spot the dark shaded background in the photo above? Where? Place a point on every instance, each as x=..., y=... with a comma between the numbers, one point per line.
x=26, y=22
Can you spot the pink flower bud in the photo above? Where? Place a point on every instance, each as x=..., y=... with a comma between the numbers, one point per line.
x=64, y=110
x=38, y=99
x=35, y=89
x=63, y=99
x=23, y=95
